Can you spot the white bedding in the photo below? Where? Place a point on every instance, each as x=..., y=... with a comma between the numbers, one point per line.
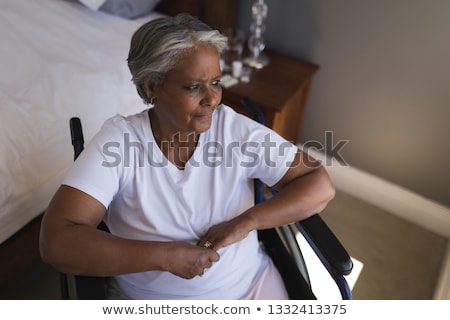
x=58, y=60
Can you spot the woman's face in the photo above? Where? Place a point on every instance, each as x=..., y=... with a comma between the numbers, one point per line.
x=190, y=93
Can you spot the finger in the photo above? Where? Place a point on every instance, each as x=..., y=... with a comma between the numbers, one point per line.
x=208, y=259
x=202, y=241
x=214, y=256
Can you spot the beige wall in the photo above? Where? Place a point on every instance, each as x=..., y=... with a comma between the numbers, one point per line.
x=384, y=82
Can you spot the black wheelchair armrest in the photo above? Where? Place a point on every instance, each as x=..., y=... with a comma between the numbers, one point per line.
x=325, y=244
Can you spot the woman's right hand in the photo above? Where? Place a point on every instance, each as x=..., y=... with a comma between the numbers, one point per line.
x=187, y=261
x=71, y=242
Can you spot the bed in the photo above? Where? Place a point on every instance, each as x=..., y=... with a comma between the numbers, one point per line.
x=60, y=60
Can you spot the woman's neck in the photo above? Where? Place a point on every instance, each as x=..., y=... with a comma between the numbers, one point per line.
x=177, y=146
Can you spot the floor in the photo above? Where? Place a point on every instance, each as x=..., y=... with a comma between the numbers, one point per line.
x=399, y=260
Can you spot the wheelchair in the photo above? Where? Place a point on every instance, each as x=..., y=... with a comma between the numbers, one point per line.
x=280, y=243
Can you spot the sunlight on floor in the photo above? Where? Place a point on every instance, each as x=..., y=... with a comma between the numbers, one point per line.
x=323, y=285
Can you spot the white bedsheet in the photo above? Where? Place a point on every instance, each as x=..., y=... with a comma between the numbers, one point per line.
x=58, y=60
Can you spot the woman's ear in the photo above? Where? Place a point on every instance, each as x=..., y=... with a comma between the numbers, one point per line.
x=149, y=88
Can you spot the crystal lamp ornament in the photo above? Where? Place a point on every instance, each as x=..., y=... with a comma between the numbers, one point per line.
x=257, y=59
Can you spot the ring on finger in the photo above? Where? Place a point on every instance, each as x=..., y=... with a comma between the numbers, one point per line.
x=207, y=244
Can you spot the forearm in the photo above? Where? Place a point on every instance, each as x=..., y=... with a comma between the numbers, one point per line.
x=83, y=250
x=298, y=200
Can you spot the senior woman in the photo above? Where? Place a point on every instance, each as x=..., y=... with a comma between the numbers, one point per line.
x=174, y=183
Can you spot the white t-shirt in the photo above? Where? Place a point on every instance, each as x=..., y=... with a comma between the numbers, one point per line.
x=148, y=198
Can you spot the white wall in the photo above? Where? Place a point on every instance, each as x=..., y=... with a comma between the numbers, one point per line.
x=384, y=82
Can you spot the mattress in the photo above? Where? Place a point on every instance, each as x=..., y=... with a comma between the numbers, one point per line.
x=58, y=60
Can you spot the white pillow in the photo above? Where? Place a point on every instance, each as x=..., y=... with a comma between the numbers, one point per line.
x=93, y=4
x=128, y=8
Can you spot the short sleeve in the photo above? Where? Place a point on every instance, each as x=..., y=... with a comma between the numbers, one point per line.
x=264, y=154
x=95, y=171
x=275, y=156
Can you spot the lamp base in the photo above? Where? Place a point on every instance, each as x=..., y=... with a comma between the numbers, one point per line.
x=258, y=62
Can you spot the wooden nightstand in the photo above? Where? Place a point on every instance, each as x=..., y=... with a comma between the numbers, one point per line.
x=280, y=90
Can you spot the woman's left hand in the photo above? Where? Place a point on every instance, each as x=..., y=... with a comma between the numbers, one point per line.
x=225, y=233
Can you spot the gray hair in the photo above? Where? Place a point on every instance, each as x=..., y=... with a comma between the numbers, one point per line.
x=158, y=45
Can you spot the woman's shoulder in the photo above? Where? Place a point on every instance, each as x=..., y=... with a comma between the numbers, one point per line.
x=115, y=127
x=225, y=112
x=119, y=120
x=237, y=123
x=119, y=124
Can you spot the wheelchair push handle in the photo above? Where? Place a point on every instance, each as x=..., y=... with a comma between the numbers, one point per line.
x=76, y=133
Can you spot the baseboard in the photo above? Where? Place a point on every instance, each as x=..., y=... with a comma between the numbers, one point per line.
x=442, y=291
x=388, y=196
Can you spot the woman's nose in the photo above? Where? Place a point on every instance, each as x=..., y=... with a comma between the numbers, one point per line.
x=212, y=96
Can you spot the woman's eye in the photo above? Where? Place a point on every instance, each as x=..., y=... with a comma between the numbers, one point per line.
x=196, y=87
x=193, y=87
